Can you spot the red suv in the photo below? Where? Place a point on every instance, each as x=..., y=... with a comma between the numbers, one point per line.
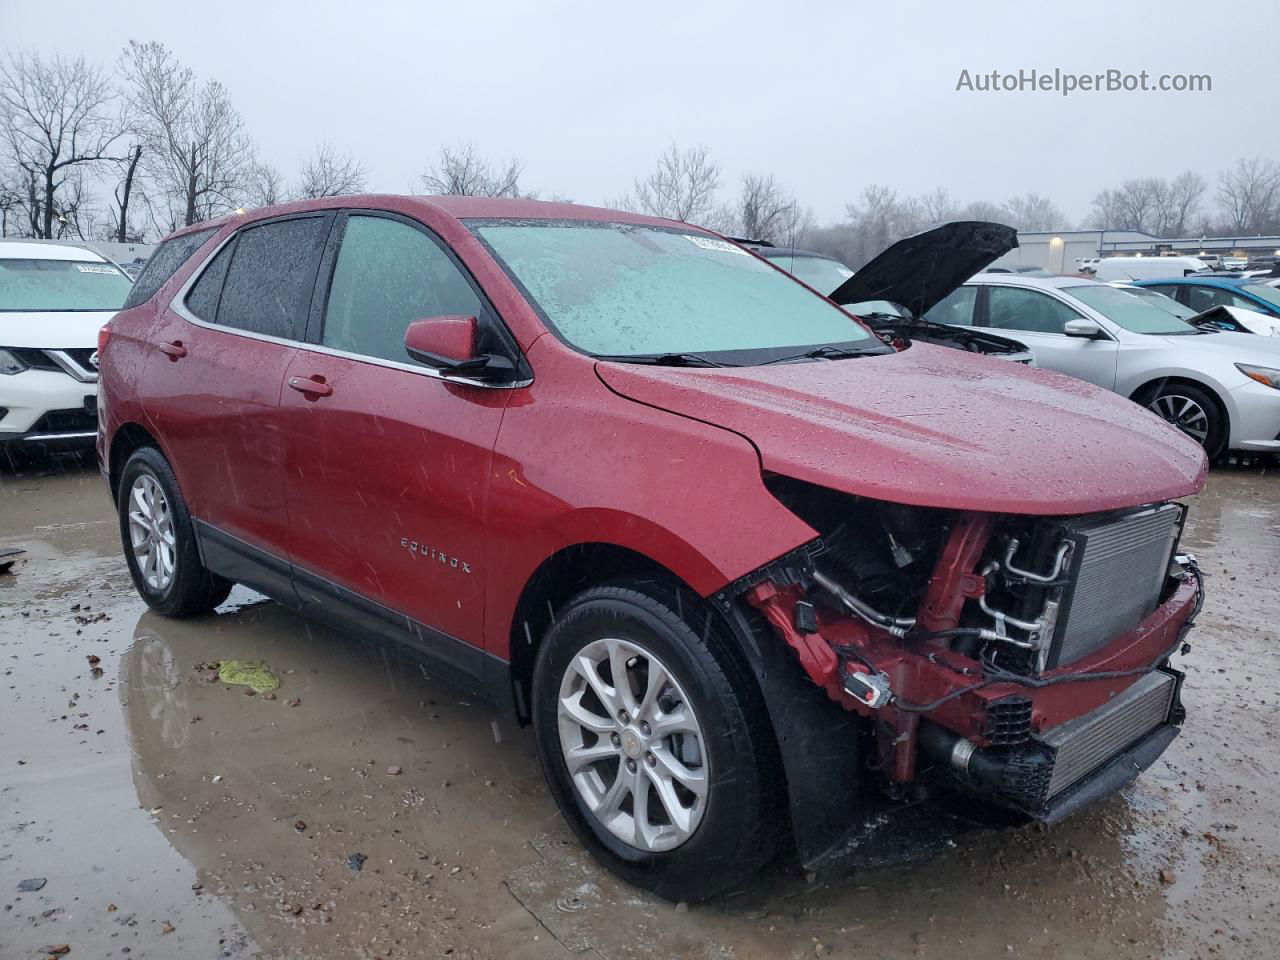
x=757, y=578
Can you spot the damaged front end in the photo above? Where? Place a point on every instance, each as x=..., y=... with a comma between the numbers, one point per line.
x=1004, y=664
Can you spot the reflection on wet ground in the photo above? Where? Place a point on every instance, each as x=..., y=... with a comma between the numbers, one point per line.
x=366, y=809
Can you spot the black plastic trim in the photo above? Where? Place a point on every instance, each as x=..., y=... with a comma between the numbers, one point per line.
x=455, y=661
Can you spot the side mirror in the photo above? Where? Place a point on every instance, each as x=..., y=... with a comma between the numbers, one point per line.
x=448, y=344
x=1084, y=329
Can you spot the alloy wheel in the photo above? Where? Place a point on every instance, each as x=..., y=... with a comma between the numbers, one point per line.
x=633, y=745
x=151, y=534
x=1184, y=413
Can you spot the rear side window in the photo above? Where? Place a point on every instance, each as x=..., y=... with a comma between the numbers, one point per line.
x=269, y=280
x=204, y=296
x=389, y=274
x=164, y=263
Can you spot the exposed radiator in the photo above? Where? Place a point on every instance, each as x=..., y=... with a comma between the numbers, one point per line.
x=1081, y=745
x=1118, y=566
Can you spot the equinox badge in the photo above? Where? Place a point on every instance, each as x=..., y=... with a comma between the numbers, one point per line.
x=431, y=553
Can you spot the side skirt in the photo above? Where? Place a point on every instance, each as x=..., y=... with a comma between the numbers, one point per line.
x=459, y=663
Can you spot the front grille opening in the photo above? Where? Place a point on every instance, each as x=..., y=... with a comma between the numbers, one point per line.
x=66, y=421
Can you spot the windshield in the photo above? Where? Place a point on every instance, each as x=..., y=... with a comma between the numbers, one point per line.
x=623, y=289
x=1133, y=313
x=821, y=273
x=38, y=285
x=1157, y=299
x=1263, y=292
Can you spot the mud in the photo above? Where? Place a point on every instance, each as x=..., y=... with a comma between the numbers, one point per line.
x=365, y=809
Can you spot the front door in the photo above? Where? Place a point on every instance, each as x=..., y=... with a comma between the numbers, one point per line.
x=1038, y=319
x=221, y=353
x=388, y=463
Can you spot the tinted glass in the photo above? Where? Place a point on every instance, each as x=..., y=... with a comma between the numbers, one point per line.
x=164, y=263
x=955, y=308
x=203, y=298
x=1200, y=299
x=626, y=289
x=63, y=285
x=1137, y=314
x=268, y=285
x=389, y=274
x=1013, y=308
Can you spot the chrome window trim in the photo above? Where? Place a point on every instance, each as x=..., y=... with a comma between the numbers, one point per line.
x=178, y=304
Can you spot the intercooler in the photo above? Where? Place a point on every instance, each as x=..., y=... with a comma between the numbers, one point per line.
x=1116, y=569
x=1081, y=745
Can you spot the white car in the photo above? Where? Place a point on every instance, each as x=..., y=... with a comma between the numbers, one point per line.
x=1221, y=388
x=54, y=298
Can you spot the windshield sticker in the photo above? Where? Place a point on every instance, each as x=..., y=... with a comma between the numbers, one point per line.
x=711, y=243
x=96, y=268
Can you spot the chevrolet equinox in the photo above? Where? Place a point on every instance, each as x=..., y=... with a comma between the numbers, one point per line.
x=760, y=581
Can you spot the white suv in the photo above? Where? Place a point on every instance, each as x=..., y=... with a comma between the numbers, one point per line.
x=54, y=298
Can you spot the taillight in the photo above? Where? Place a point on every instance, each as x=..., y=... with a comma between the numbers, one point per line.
x=104, y=334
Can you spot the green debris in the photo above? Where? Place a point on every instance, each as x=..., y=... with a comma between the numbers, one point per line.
x=253, y=675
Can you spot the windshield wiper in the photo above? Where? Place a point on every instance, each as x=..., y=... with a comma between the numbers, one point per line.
x=820, y=353
x=664, y=359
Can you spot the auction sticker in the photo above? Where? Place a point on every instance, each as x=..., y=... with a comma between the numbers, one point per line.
x=711, y=243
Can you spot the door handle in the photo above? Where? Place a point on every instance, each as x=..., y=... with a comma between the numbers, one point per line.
x=173, y=349
x=312, y=386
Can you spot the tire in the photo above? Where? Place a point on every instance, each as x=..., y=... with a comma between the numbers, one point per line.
x=710, y=817
x=1194, y=411
x=162, y=555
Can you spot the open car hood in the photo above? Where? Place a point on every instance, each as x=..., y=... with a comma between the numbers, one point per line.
x=935, y=427
x=923, y=269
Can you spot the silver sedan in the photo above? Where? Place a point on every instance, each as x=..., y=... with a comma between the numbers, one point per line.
x=1221, y=388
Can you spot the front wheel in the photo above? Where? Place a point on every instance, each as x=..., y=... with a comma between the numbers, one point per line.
x=159, y=540
x=1193, y=411
x=654, y=742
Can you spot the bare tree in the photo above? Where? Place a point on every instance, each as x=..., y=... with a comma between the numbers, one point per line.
x=880, y=220
x=1034, y=211
x=265, y=187
x=766, y=211
x=330, y=174
x=683, y=187
x=201, y=156
x=983, y=210
x=1181, y=202
x=461, y=171
x=1248, y=194
x=56, y=117
x=938, y=207
x=124, y=195
x=11, y=196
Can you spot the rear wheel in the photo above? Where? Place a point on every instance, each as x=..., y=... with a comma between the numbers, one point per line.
x=654, y=742
x=159, y=540
x=1193, y=411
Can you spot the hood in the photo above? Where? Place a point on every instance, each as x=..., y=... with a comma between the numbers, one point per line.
x=1229, y=345
x=923, y=269
x=63, y=330
x=935, y=427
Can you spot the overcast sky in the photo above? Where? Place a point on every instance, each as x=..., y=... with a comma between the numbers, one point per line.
x=827, y=96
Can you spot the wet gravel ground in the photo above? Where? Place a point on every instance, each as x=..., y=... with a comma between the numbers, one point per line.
x=364, y=809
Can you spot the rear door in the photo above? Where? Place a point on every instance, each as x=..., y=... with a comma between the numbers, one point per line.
x=1037, y=319
x=213, y=393
x=388, y=463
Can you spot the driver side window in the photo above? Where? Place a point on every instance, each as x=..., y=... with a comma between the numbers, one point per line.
x=1016, y=308
x=387, y=275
